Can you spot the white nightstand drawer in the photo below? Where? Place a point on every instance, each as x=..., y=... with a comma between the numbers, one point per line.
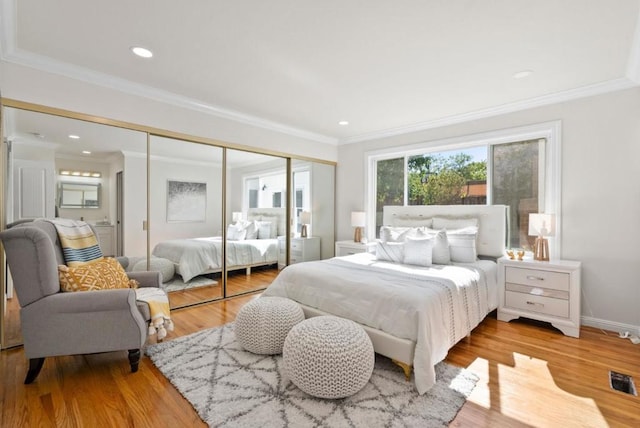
x=540, y=304
x=537, y=291
x=537, y=278
x=296, y=245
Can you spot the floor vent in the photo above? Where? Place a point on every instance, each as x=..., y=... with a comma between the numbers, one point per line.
x=622, y=382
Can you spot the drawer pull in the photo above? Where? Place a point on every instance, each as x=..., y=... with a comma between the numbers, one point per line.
x=535, y=278
x=535, y=303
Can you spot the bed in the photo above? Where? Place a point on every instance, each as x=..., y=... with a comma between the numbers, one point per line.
x=203, y=255
x=413, y=312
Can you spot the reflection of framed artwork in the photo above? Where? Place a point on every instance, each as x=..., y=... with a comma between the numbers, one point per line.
x=186, y=201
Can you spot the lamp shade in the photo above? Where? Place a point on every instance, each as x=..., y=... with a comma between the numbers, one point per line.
x=357, y=219
x=305, y=217
x=236, y=216
x=542, y=225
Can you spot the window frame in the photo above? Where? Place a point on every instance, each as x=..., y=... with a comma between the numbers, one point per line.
x=551, y=161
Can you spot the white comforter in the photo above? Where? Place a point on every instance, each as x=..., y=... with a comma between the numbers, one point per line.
x=435, y=307
x=196, y=256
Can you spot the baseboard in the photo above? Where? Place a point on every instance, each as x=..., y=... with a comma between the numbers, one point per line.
x=610, y=325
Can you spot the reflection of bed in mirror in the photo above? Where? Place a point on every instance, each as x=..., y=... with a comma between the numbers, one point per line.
x=428, y=285
x=198, y=256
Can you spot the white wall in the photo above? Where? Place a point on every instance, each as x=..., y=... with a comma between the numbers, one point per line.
x=134, y=178
x=600, y=194
x=163, y=170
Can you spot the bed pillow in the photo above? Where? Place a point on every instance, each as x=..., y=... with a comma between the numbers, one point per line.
x=397, y=234
x=462, y=244
x=451, y=223
x=264, y=229
x=251, y=230
x=440, y=254
x=274, y=226
x=104, y=274
x=418, y=251
x=236, y=232
x=390, y=252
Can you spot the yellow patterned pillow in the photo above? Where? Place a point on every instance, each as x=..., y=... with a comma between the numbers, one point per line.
x=102, y=274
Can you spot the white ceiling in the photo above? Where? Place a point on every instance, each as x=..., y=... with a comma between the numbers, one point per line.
x=303, y=65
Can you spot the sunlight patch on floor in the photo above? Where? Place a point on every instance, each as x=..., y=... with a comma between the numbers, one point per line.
x=527, y=392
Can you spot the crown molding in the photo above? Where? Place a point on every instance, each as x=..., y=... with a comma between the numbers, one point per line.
x=10, y=53
x=558, y=97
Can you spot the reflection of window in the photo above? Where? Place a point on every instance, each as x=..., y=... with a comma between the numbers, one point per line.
x=302, y=195
x=277, y=200
x=253, y=198
x=520, y=169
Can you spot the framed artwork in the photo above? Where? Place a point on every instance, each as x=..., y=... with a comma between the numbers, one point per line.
x=186, y=201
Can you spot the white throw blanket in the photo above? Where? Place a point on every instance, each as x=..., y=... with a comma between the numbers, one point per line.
x=435, y=307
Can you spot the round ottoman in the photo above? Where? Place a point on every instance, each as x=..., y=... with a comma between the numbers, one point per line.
x=263, y=324
x=157, y=264
x=328, y=357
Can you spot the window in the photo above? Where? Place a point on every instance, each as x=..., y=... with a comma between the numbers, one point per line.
x=516, y=177
x=517, y=168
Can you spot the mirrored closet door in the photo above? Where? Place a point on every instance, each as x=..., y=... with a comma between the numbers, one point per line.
x=256, y=220
x=63, y=167
x=186, y=219
x=312, y=210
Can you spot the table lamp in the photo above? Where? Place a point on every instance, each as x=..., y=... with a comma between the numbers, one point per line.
x=358, y=221
x=305, y=219
x=541, y=225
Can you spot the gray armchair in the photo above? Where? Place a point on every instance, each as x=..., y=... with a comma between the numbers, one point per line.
x=58, y=323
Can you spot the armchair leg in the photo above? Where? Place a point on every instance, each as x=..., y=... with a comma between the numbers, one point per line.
x=134, y=359
x=35, y=365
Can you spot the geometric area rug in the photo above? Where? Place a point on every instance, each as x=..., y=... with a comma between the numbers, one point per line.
x=231, y=387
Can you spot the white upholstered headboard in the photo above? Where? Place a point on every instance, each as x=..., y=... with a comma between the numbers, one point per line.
x=492, y=229
x=269, y=214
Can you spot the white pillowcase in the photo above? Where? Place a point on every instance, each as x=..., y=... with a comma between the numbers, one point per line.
x=251, y=228
x=454, y=223
x=418, y=251
x=440, y=254
x=397, y=234
x=390, y=251
x=274, y=226
x=265, y=229
x=236, y=232
x=462, y=244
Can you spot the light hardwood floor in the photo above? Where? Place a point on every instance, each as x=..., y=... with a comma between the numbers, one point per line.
x=530, y=375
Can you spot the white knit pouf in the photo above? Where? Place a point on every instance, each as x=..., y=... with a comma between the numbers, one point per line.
x=262, y=324
x=157, y=264
x=328, y=357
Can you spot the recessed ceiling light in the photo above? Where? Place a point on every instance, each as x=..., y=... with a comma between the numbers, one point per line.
x=522, y=74
x=74, y=137
x=141, y=52
x=343, y=122
x=86, y=152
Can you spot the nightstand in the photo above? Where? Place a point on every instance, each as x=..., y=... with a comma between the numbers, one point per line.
x=302, y=250
x=544, y=291
x=345, y=248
